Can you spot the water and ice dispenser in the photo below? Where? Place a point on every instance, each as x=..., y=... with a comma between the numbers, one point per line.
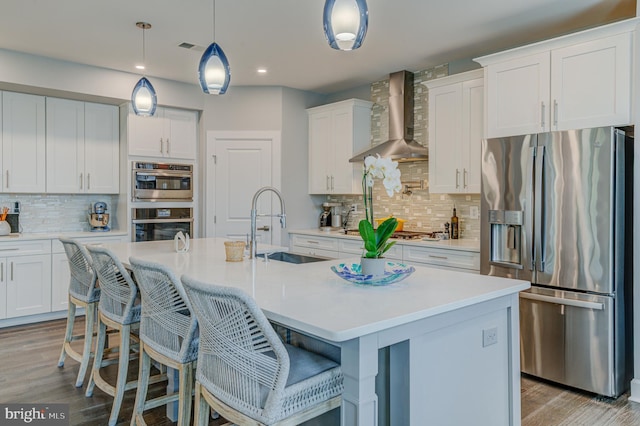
x=506, y=237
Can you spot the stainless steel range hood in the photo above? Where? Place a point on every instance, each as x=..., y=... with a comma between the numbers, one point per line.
x=400, y=146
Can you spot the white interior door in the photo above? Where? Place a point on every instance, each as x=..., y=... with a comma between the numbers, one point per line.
x=238, y=164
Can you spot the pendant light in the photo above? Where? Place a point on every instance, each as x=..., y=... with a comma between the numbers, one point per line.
x=143, y=97
x=213, y=72
x=345, y=23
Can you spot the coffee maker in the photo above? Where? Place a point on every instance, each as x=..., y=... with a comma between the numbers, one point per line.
x=99, y=218
x=325, y=216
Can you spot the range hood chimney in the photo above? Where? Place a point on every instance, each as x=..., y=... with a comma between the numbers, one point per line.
x=400, y=146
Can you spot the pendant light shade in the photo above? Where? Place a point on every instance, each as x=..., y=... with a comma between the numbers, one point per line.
x=143, y=98
x=214, y=72
x=345, y=23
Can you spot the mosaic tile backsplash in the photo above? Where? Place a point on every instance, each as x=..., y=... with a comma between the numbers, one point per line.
x=421, y=210
x=50, y=213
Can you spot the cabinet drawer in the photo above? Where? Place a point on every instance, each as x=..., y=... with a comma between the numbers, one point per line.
x=20, y=248
x=315, y=242
x=311, y=251
x=449, y=259
x=350, y=248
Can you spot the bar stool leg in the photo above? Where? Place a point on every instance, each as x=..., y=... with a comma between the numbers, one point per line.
x=88, y=339
x=123, y=367
x=97, y=360
x=184, y=400
x=144, y=372
x=71, y=316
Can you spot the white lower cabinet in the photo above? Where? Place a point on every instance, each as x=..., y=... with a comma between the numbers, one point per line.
x=442, y=258
x=25, y=278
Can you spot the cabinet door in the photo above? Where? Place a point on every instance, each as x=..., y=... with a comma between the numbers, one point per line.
x=60, y=277
x=65, y=146
x=180, y=134
x=591, y=84
x=472, y=133
x=445, y=138
x=146, y=135
x=3, y=288
x=28, y=285
x=341, y=171
x=319, y=146
x=518, y=96
x=102, y=148
x=23, y=143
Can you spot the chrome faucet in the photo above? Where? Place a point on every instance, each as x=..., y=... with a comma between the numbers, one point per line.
x=253, y=243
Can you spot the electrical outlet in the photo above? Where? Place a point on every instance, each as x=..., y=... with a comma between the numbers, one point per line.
x=489, y=336
x=354, y=208
x=473, y=212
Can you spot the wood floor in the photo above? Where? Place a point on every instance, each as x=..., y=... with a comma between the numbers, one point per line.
x=29, y=374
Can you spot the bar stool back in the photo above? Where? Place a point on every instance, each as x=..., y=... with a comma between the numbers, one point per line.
x=119, y=309
x=83, y=292
x=168, y=335
x=246, y=373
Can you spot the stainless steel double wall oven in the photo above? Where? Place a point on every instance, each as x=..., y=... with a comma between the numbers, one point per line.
x=162, y=194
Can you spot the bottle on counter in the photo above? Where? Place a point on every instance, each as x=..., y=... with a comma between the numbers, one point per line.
x=454, y=225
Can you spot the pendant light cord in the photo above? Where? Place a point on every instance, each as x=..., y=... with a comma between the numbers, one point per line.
x=144, y=60
x=214, y=20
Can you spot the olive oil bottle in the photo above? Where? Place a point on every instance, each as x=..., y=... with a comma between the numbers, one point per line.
x=454, y=225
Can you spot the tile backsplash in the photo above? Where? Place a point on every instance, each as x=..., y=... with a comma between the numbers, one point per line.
x=44, y=213
x=422, y=210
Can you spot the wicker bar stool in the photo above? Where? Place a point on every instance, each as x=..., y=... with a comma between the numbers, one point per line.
x=119, y=309
x=83, y=292
x=168, y=335
x=246, y=373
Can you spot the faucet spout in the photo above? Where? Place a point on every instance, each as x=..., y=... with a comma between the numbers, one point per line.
x=253, y=243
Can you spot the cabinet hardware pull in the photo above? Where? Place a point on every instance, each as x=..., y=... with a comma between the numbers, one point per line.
x=81, y=181
x=88, y=180
x=555, y=113
x=11, y=271
x=1, y=272
x=327, y=182
x=464, y=178
x=457, y=178
x=438, y=257
x=263, y=228
x=313, y=242
x=168, y=150
x=7, y=178
x=10, y=249
x=332, y=182
x=161, y=152
x=542, y=114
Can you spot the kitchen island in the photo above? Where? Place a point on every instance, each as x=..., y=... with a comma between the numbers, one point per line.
x=452, y=336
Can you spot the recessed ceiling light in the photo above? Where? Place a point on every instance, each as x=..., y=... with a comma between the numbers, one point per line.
x=139, y=67
x=262, y=70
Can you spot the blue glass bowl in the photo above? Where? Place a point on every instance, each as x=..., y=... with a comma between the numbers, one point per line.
x=393, y=273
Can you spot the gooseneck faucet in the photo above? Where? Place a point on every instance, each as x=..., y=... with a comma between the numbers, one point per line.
x=253, y=243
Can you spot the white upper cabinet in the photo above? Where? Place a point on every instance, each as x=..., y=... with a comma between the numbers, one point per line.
x=336, y=132
x=23, y=143
x=82, y=147
x=170, y=133
x=576, y=81
x=456, y=117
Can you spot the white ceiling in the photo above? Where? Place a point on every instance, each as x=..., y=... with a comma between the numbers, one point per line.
x=286, y=36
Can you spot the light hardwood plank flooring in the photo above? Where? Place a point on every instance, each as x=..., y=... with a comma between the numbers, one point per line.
x=29, y=374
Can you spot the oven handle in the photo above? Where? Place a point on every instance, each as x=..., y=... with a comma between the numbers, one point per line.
x=136, y=221
x=164, y=173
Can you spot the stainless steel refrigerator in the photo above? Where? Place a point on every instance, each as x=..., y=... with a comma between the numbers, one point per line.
x=556, y=210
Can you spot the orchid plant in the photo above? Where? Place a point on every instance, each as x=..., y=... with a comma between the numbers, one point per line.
x=375, y=240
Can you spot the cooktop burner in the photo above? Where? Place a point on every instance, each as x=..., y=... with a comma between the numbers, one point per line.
x=399, y=235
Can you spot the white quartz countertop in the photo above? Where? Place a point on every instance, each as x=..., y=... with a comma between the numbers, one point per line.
x=311, y=298
x=459, y=244
x=54, y=235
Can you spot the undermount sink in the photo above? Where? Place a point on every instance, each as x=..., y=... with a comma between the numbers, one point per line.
x=284, y=256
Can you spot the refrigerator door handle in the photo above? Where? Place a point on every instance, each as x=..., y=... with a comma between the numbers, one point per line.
x=529, y=200
x=561, y=301
x=537, y=225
